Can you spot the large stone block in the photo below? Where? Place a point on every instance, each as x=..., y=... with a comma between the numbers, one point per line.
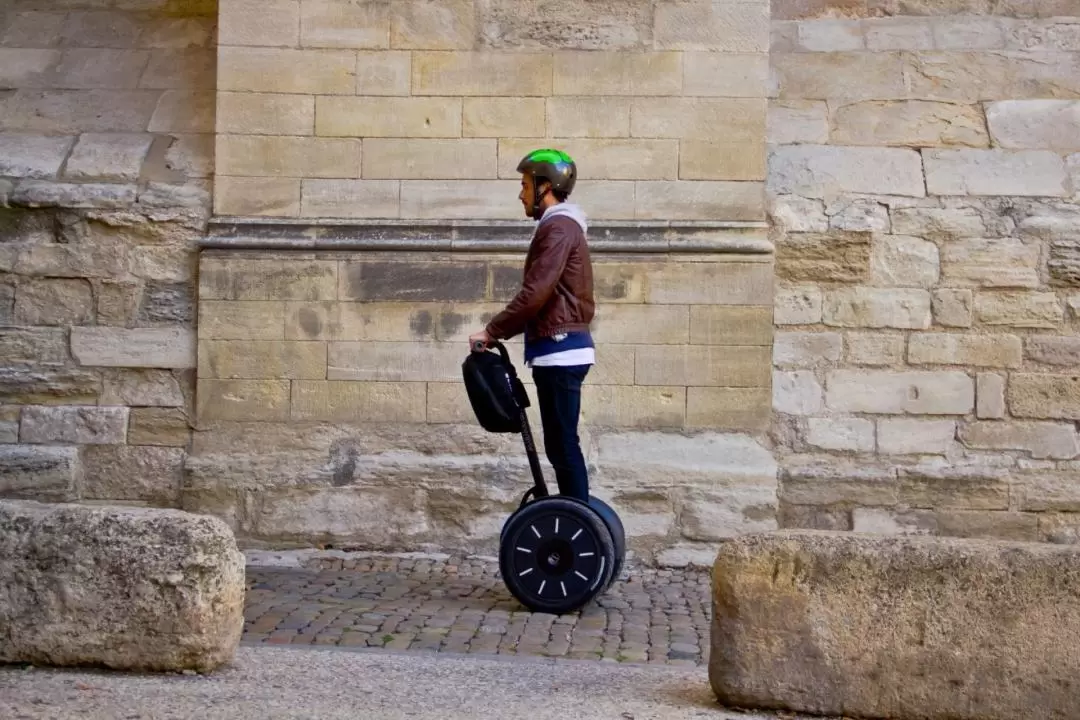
x=996, y=350
x=877, y=308
x=48, y=386
x=725, y=408
x=832, y=257
x=797, y=121
x=138, y=347
x=505, y=117
x=265, y=113
x=74, y=111
x=348, y=401
x=702, y=365
x=132, y=473
x=595, y=73
x=253, y=359
x=388, y=117
x=54, y=302
x=633, y=406
x=723, y=325
x=280, y=70
x=267, y=279
x=995, y=172
x=394, y=361
x=1035, y=124
x=48, y=474
x=724, y=27
x=481, y=73
x=874, y=349
x=1056, y=441
x=428, y=159
x=32, y=156
x=729, y=119
x=806, y=349
x=349, y=198
x=903, y=261
x=820, y=171
x=75, y=425
x=779, y=642
x=413, y=281
x=713, y=74
x=330, y=24
x=915, y=436
x=270, y=156
x=1053, y=350
x=909, y=123
x=606, y=159
x=797, y=393
x=452, y=199
x=1033, y=395
x=838, y=76
x=699, y=200
x=239, y=400
x=994, y=262
x=604, y=25
x=607, y=117
x=33, y=346
x=1019, y=309
x=989, y=76
x=945, y=392
x=166, y=427
x=108, y=157
x=96, y=582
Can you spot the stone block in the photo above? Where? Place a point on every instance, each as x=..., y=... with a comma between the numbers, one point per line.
x=888, y=392
x=426, y=159
x=476, y=199
x=166, y=427
x=827, y=480
x=874, y=349
x=594, y=73
x=9, y=425
x=193, y=157
x=839, y=76
x=721, y=161
x=642, y=324
x=903, y=261
x=995, y=262
x=349, y=198
x=266, y=155
x=603, y=159
x=188, y=69
x=969, y=33
x=255, y=359
x=877, y=308
x=35, y=472
x=909, y=123
x=884, y=582
x=513, y=24
x=391, y=117
x=239, y=400
x=1054, y=397
x=33, y=346
x=184, y=111
x=840, y=434
x=267, y=279
x=32, y=29
x=702, y=283
x=710, y=74
x=702, y=365
x=48, y=385
x=394, y=361
x=137, y=347
x=265, y=114
x=348, y=401
x=40, y=193
x=734, y=120
x=94, y=68
x=995, y=172
x=354, y=26
x=482, y=73
x=935, y=223
x=899, y=33
x=828, y=35
x=570, y=117
x=972, y=76
x=275, y=23
x=95, y=582
x=179, y=31
x=412, y=281
x=732, y=409
x=723, y=27
x=913, y=436
x=279, y=197
x=279, y=70
x=806, y=349
x=797, y=121
x=881, y=521
x=797, y=392
x=1053, y=350
x=713, y=516
x=32, y=156
x=433, y=25
x=54, y=302
x=344, y=515
x=989, y=524
x=815, y=517
x=724, y=325
x=934, y=487
x=799, y=305
x=699, y=200
x=1019, y=309
x=989, y=395
x=1035, y=124
x=145, y=388
x=74, y=111
x=499, y=117
x=1057, y=441
x=820, y=171
x=383, y=72
x=858, y=215
x=997, y=350
x=73, y=425
x=613, y=282
x=840, y=257
x=1048, y=491
x=634, y=406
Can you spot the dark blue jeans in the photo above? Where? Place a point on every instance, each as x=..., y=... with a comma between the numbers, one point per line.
x=558, y=391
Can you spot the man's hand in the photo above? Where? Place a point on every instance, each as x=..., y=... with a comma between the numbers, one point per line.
x=481, y=337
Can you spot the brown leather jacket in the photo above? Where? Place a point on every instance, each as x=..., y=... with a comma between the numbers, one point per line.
x=556, y=294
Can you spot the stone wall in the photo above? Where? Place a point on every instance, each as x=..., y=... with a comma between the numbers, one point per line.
x=924, y=178
x=106, y=149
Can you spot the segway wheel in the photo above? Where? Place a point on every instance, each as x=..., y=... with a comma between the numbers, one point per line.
x=556, y=555
x=618, y=535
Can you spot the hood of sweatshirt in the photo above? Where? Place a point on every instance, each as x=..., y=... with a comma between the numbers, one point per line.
x=570, y=210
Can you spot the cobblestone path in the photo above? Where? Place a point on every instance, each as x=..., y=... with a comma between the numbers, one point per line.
x=460, y=605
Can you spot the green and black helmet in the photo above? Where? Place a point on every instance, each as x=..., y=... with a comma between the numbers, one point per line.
x=553, y=166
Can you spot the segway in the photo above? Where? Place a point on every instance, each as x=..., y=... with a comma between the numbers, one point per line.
x=556, y=553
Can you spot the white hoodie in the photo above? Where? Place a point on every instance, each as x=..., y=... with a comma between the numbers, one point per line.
x=570, y=210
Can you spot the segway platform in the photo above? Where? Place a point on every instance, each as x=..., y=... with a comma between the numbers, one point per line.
x=556, y=553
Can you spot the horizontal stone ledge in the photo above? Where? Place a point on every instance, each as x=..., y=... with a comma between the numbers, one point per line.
x=483, y=236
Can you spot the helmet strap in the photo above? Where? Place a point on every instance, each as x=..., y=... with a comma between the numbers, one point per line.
x=537, y=209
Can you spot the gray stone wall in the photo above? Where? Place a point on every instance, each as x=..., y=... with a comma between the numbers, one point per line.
x=924, y=179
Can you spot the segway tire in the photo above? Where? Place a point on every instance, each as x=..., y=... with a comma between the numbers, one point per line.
x=556, y=555
x=618, y=535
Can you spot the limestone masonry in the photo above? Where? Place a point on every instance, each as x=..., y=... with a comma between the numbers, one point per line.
x=837, y=247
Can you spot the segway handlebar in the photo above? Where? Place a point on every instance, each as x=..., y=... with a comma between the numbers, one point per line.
x=480, y=346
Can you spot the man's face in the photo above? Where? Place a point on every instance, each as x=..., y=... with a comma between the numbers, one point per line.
x=526, y=195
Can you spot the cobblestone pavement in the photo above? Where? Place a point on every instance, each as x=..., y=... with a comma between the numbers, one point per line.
x=460, y=605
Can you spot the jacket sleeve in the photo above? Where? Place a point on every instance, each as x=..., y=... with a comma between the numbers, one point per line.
x=551, y=252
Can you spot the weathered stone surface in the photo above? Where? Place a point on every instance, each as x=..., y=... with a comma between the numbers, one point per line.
x=1043, y=491
x=947, y=392
x=902, y=261
x=1019, y=309
x=49, y=474
x=54, y=302
x=934, y=486
x=858, y=215
x=1064, y=261
x=736, y=27
x=96, y=582
x=152, y=388
x=78, y=425
x=169, y=303
x=910, y=436
x=1044, y=396
x=933, y=222
x=132, y=472
x=828, y=480
x=108, y=157
x=877, y=308
x=1053, y=350
x=837, y=76
x=841, y=434
x=995, y=172
x=841, y=257
x=603, y=25
x=989, y=395
x=1057, y=441
x=797, y=121
x=53, y=385
x=952, y=308
x=972, y=76
x=876, y=349
x=806, y=349
x=798, y=214
x=139, y=347
x=891, y=664
x=909, y=123
x=800, y=305
x=996, y=350
x=24, y=155
x=1035, y=124
x=884, y=521
x=40, y=193
x=159, y=426
x=796, y=393
x=1004, y=262
x=821, y=170
x=33, y=346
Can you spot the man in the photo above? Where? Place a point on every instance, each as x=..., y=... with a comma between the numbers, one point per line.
x=554, y=308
